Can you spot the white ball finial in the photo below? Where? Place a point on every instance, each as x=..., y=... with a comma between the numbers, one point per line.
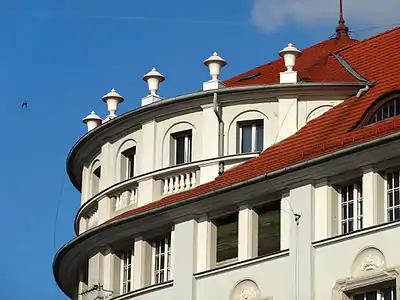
x=215, y=64
x=153, y=79
x=92, y=121
x=112, y=99
x=289, y=54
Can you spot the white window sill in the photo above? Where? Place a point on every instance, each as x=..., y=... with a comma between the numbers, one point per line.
x=145, y=290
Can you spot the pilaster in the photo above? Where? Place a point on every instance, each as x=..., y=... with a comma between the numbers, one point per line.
x=287, y=109
x=248, y=233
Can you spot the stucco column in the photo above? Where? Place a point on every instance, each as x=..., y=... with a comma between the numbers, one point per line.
x=248, y=233
x=184, y=262
x=109, y=271
x=373, y=186
x=108, y=162
x=142, y=264
x=326, y=209
x=287, y=110
x=95, y=271
x=205, y=250
x=210, y=126
x=149, y=189
x=85, y=190
x=301, y=250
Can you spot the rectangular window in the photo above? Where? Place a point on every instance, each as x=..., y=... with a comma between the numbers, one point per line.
x=161, y=260
x=386, y=293
x=127, y=271
x=128, y=163
x=182, y=147
x=269, y=229
x=251, y=135
x=227, y=238
x=351, y=207
x=393, y=196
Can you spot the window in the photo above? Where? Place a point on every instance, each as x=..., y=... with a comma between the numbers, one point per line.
x=385, y=293
x=127, y=271
x=128, y=160
x=161, y=260
x=227, y=238
x=351, y=210
x=269, y=231
x=393, y=197
x=181, y=147
x=96, y=180
x=388, y=109
x=251, y=135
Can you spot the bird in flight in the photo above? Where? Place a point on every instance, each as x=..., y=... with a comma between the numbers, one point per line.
x=24, y=104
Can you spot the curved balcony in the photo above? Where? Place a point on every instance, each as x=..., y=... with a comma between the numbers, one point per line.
x=126, y=195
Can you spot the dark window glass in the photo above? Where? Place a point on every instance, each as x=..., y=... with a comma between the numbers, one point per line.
x=269, y=228
x=246, y=138
x=227, y=237
x=180, y=150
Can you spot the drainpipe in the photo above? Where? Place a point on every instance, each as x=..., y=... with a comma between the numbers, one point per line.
x=218, y=112
x=362, y=91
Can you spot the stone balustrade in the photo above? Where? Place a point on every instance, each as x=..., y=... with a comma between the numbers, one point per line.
x=176, y=183
x=126, y=198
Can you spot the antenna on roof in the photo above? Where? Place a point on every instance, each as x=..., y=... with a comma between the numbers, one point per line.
x=342, y=31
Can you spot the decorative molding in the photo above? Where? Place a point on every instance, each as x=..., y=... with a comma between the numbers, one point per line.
x=369, y=259
x=246, y=290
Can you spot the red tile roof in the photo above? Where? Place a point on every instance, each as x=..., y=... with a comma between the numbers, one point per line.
x=373, y=58
x=315, y=64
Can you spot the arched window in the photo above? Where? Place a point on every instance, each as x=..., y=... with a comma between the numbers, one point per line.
x=388, y=107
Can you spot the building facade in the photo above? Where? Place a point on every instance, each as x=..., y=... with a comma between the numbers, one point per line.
x=280, y=183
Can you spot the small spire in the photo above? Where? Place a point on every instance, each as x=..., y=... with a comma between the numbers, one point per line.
x=341, y=30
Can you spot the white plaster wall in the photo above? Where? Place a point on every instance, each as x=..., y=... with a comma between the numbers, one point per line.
x=271, y=276
x=306, y=107
x=267, y=111
x=334, y=261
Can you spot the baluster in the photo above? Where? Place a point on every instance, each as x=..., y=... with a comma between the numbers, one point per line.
x=182, y=182
x=193, y=179
x=171, y=184
x=165, y=189
x=187, y=181
x=176, y=186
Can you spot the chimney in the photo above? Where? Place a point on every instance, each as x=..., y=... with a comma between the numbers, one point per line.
x=153, y=79
x=112, y=99
x=92, y=121
x=215, y=64
x=289, y=54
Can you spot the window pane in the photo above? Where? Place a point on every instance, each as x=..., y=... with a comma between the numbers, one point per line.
x=390, y=180
x=391, y=109
x=260, y=137
x=269, y=229
x=371, y=295
x=397, y=107
x=386, y=294
x=358, y=297
x=180, y=150
x=189, y=150
x=246, y=138
x=351, y=210
x=396, y=197
x=397, y=213
x=227, y=238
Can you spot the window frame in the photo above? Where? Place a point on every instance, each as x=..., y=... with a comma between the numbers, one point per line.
x=188, y=146
x=165, y=242
x=262, y=210
x=123, y=266
x=357, y=200
x=377, y=289
x=220, y=221
x=129, y=161
x=376, y=106
x=254, y=141
x=386, y=196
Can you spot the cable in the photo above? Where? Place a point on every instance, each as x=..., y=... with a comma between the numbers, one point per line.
x=57, y=211
x=280, y=127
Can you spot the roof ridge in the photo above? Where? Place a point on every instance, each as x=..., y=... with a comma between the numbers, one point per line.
x=379, y=35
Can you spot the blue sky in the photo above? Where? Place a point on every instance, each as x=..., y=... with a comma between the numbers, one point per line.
x=62, y=56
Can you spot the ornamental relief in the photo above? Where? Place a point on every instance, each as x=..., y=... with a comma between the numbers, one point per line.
x=369, y=260
x=246, y=290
